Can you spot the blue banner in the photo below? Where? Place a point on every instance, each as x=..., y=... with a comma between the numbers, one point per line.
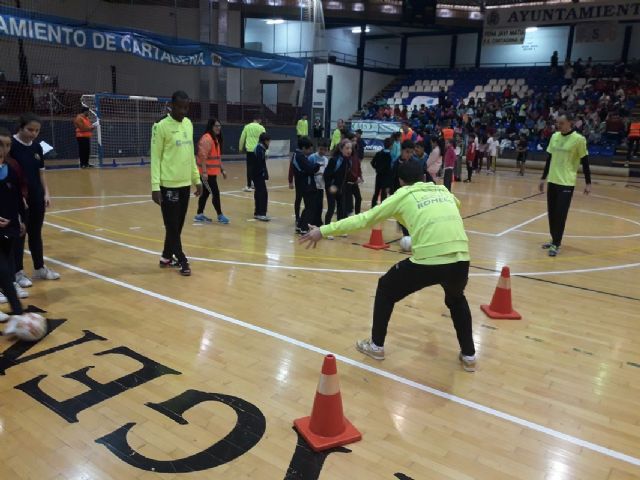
x=16, y=23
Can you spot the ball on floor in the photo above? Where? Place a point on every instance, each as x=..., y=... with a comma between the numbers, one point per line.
x=405, y=244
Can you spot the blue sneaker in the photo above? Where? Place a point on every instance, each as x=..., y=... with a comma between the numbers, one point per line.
x=202, y=218
x=223, y=220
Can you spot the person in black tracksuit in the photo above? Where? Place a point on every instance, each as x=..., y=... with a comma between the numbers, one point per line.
x=260, y=175
x=304, y=172
x=406, y=155
x=335, y=178
x=29, y=155
x=12, y=218
x=381, y=163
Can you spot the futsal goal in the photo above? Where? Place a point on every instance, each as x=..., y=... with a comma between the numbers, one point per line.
x=123, y=126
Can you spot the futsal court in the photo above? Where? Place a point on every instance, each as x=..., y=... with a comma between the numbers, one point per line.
x=202, y=377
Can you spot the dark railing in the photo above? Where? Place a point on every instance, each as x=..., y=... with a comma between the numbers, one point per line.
x=340, y=57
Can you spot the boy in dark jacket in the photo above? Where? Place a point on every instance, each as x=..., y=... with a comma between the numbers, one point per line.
x=305, y=179
x=260, y=175
x=381, y=163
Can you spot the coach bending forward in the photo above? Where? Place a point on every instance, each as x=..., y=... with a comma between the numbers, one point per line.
x=440, y=256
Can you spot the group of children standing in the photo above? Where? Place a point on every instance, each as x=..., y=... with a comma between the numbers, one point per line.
x=24, y=198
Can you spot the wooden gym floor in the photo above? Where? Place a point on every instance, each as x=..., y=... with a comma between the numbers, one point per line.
x=202, y=377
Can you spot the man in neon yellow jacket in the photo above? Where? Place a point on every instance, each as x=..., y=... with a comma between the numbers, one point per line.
x=440, y=256
x=173, y=172
x=249, y=139
x=302, y=127
x=337, y=135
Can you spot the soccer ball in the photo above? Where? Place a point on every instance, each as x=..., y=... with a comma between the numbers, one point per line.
x=405, y=244
x=29, y=327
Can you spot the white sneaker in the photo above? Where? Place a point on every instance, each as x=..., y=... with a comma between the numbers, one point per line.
x=262, y=218
x=20, y=292
x=331, y=237
x=45, y=273
x=23, y=280
x=3, y=299
x=3, y=317
x=370, y=349
x=468, y=363
x=247, y=189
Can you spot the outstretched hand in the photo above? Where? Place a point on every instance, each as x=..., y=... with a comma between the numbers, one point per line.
x=312, y=238
x=587, y=189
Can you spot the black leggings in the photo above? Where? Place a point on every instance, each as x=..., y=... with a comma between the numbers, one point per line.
x=7, y=274
x=260, y=195
x=448, y=178
x=335, y=202
x=251, y=160
x=355, y=198
x=174, y=206
x=35, y=219
x=215, y=196
x=558, y=203
x=406, y=278
x=380, y=190
x=469, y=170
x=84, y=150
x=298, y=201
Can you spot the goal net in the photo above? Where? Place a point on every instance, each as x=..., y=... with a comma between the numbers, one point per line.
x=123, y=126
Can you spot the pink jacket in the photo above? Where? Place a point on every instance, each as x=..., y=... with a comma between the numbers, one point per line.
x=434, y=162
x=450, y=158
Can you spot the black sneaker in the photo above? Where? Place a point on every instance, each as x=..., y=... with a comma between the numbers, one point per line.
x=547, y=246
x=185, y=269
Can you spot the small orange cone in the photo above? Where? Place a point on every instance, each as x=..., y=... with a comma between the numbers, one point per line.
x=376, y=242
x=327, y=426
x=501, y=308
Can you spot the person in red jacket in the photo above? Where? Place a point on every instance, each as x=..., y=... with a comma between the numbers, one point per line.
x=354, y=179
x=84, y=132
x=449, y=163
x=209, y=160
x=470, y=156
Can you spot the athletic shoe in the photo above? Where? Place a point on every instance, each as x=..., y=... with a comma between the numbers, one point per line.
x=3, y=317
x=262, y=218
x=547, y=246
x=468, y=363
x=20, y=292
x=247, y=189
x=45, y=273
x=185, y=269
x=202, y=218
x=368, y=348
x=553, y=251
x=298, y=230
x=331, y=237
x=164, y=263
x=223, y=220
x=3, y=299
x=304, y=232
x=23, y=280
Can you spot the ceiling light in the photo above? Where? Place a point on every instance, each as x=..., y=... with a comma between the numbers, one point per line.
x=531, y=29
x=274, y=21
x=359, y=29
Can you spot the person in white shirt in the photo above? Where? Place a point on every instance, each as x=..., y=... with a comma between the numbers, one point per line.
x=319, y=158
x=492, y=153
x=434, y=162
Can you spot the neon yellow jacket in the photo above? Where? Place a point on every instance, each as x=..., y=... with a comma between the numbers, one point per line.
x=173, y=161
x=250, y=136
x=302, y=128
x=335, y=138
x=430, y=213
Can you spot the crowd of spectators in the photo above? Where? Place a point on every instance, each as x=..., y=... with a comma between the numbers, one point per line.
x=602, y=106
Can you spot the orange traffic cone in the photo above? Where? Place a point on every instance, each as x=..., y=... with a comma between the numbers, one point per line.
x=327, y=426
x=500, y=307
x=376, y=242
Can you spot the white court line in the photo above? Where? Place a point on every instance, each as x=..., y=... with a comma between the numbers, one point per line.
x=537, y=217
x=363, y=366
x=327, y=270
x=590, y=237
x=94, y=207
x=99, y=197
x=229, y=194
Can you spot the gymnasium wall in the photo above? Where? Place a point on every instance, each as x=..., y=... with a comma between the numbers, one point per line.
x=467, y=48
x=634, y=47
x=386, y=50
x=345, y=88
x=606, y=51
x=538, y=47
x=424, y=52
x=287, y=38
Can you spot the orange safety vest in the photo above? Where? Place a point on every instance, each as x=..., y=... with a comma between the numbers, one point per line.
x=406, y=136
x=447, y=133
x=634, y=130
x=214, y=158
x=86, y=124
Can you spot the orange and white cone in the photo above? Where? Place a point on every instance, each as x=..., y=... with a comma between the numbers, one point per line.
x=327, y=426
x=376, y=242
x=501, y=308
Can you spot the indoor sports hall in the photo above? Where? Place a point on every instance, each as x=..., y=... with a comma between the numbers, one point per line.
x=197, y=368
